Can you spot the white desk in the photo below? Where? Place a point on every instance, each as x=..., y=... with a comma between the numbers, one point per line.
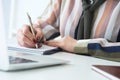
x=79, y=68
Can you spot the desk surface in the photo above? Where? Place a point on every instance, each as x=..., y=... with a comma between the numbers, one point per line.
x=79, y=68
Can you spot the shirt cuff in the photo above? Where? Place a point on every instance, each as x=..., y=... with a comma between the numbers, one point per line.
x=81, y=47
x=48, y=31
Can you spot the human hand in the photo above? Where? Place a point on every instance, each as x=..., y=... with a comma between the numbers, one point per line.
x=66, y=43
x=26, y=38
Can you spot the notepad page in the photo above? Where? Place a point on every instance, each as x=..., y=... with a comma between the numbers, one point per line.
x=14, y=46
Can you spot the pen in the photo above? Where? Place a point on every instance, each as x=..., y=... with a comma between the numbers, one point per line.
x=52, y=51
x=31, y=28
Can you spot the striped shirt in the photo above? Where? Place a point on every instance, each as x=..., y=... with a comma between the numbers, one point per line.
x=106, y=27
x=70, y=17
x=66, y=17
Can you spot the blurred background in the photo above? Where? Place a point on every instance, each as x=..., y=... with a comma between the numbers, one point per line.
x=15, y=13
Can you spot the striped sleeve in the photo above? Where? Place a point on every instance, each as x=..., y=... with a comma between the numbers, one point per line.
x=50, y=32
x=50, y=24
x=106, y=27
x=106, y=50
x=100, y=48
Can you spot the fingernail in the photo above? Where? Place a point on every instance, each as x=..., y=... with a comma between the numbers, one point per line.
x=34, y=41
x=40, y=45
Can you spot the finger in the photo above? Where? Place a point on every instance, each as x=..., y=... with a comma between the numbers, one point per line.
x=53, y=43
x=23, y=40
x=26, y=45
x=39, y=34
x=38, y=31
x=27, y=32
x=39, y=45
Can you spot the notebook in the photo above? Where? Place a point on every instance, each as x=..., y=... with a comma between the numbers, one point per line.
x=14, y=46
x=10, y=62
x=111, y=72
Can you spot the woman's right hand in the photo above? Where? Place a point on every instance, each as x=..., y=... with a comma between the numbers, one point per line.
x=26, y=38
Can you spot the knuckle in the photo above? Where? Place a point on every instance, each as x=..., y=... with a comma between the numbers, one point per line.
x=23, y=38
x=25, y=28
x=25, y=31
x=35, y=26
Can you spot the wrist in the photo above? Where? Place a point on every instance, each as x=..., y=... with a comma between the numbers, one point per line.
x=41, y=23
x=81, y=46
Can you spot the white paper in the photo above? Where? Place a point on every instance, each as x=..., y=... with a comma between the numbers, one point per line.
x=14, y=46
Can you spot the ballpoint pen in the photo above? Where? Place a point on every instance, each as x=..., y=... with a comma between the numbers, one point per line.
x=31, y=28
x=52, y=51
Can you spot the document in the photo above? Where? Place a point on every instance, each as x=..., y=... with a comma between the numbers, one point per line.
x=14, y=46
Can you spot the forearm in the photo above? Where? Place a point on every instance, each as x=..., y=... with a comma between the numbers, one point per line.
x=83, y=46
x=53, y=15
x=100, y=48
x=49, y=29
x=55, y=12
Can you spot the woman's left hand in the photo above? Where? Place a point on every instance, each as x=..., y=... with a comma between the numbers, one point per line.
x=66, y=43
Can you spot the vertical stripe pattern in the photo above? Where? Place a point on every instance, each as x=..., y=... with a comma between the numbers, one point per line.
x=70, y=18
x=107, y=24
x=102, y=25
